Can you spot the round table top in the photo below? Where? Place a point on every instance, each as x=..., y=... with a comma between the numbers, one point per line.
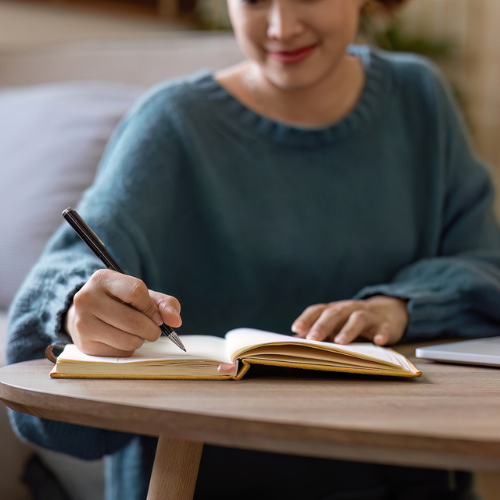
x=450, y=417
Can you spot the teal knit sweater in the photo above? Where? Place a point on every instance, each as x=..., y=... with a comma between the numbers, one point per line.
x=248, y=221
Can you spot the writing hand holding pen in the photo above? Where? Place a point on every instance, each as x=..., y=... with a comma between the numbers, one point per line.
x=113, y=313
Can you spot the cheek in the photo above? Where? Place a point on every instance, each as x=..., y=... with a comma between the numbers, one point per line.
x=338, y=28
x=249, y=30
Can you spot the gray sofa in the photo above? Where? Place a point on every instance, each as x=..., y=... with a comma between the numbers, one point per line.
x=58, y=108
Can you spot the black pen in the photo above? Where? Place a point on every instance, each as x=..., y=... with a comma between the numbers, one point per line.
x=97, y=246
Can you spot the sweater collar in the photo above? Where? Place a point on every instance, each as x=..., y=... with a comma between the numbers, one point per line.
x=369, y=106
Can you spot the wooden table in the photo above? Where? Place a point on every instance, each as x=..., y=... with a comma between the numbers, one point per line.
x=449, y=418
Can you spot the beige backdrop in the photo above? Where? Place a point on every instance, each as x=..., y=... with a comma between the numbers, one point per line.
x=475, y=27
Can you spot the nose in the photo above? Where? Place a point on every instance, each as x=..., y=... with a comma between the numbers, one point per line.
x=283, y=22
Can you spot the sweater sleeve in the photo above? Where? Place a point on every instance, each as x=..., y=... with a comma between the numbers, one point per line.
x=119, y=208
x=456, y=292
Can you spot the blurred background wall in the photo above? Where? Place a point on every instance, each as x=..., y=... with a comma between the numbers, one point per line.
x=473, y=26
x=26, y=25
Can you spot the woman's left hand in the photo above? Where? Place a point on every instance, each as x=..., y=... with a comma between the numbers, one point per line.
x=380, y=319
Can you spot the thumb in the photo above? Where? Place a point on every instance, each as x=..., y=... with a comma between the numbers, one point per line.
x=168, y=307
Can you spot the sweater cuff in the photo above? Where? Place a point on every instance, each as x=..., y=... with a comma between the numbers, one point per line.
x=61, y=313
x=429, y=312
x=57, y=304
x=59, y=291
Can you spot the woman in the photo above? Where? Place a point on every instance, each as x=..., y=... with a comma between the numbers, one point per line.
x=319, y=187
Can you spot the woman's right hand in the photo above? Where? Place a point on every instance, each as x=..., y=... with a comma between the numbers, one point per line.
x=113, y=314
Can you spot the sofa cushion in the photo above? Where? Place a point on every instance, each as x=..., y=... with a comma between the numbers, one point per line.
x=51, y=139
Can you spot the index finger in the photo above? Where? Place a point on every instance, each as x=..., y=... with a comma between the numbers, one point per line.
x=304, y=322
x=332, y=319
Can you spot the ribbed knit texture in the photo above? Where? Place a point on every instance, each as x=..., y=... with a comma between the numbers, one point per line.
x=248, y=221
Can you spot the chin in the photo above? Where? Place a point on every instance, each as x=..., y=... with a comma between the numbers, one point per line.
x=296, y=79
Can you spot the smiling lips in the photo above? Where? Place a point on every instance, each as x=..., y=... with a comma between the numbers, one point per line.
x=294, y=56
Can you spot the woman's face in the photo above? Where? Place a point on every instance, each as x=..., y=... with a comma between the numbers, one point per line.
x=295, y=43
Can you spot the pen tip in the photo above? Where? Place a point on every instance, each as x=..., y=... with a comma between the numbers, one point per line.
x=177, y=341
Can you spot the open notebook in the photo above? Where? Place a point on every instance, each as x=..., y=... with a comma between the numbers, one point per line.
x=243, y=346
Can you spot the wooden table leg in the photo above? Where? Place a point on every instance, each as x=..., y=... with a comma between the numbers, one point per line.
x=175, y=469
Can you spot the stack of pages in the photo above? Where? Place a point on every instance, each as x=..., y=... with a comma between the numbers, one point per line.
x=244, y=347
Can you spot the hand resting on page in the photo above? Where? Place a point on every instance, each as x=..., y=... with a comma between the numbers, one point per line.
x=380, y=319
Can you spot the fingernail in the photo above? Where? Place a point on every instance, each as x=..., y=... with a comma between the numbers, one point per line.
x=297, y=327
x=340, y=339
x=379, y=339
x=171, y=310
x=313, y=336
x=157, y=318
